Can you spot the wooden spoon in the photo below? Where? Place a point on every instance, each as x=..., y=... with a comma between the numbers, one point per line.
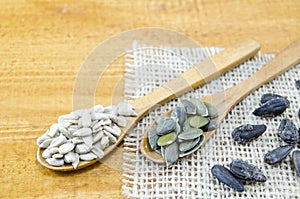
x=225, y=101
x=193, y=77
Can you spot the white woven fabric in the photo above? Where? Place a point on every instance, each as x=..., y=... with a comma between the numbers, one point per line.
x=149, y=68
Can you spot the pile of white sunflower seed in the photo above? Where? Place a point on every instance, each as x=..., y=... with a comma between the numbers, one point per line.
x=84, y=134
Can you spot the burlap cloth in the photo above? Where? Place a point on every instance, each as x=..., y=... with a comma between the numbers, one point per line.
x=148, y=68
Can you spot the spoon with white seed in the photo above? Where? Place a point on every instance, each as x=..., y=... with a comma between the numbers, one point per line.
x=193, y=77
x=226, y=100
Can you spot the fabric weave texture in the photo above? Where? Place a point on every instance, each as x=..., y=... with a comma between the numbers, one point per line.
x=148, y=68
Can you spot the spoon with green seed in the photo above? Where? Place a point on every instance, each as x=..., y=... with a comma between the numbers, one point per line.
x=225, y=101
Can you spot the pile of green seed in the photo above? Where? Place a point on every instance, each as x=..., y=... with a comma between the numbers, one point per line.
x=182, y=133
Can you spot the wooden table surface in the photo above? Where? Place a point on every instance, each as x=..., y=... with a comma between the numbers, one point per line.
x=43, y=44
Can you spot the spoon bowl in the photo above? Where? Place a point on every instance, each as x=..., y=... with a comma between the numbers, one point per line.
x=225, y=101
x=81, y=165
x=193, y=77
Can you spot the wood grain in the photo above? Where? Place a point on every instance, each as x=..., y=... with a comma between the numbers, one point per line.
x=44, y=43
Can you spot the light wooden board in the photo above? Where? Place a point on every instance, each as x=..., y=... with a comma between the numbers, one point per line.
x=43, y=44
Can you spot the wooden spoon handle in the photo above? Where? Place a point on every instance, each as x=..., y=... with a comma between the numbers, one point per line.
x=197, y=75
x=285, y=60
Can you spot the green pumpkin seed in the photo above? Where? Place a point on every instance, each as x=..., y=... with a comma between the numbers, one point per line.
x=177, y=128
x=171, y=154
x=179, y=135
x=187, y=145
x=212, y=111
x=186, y=125
x=200, y=106
x=180, y=140
x=159, y=120
x=167, y=139
x=179, y=113
x=153, y=137
x=190, y=134
x=190, y=108
x=212, y=125
x=168, y=125
x=198, y=121
x=200, y=142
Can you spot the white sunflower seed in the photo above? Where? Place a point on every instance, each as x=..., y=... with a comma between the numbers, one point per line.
x=100, y=116
x=73, y=126
x=98, y=152
x=77, y=140
x=64, y=131
x=66, y=124
x=46, y=153
x=113, y=117
x=82, y=148
x=76, y=117
x=79, y=124
x=56, y=142
x=97, y=130
x=117, y=129
x=94, y=122
x=98, y=108
x=83, y=132
x=88, y=140
x=104, y=142
x=100, y=124
x=57, y=156
x=45, y=143
x=75, y=121
x=98, y=136
x=67, y=117
x=75, y=163
x=72, y=129
x=53, y=150
x=70, y=157
x=121, y=121
x=126, y=109
x=85, y=120
x=87, y=156
x=80, y=129
x=111, y=109
x=106, y=122
x=97, y=145
x=42, y=138
x=97, y=126
x=112, y=131
x=112, y=138
x=53, y=130
x=55, y=162
x=66, y=148
x=79, y=113
x=107, y=109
